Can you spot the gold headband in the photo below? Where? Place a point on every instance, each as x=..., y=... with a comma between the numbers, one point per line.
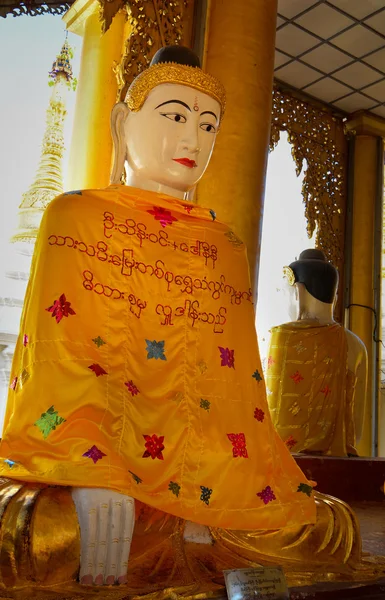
x=289, y=274
x=173, y=73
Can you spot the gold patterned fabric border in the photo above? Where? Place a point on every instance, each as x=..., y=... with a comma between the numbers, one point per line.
x=317, y=137
x=153, y=24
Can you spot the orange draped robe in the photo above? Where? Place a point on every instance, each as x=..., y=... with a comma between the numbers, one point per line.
x=310, y=390
x=137, y=366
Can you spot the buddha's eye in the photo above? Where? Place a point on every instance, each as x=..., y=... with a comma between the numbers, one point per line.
x=208, y=127
x=177, y=117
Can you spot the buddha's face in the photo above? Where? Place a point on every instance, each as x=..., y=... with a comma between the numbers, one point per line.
x=171, y=139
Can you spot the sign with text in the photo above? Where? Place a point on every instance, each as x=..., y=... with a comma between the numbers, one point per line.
x=256, y=584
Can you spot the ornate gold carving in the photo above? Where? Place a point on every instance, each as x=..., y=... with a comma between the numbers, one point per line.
x=154, y=24
x=316, y=137
x=173, y=73
x=289, y=274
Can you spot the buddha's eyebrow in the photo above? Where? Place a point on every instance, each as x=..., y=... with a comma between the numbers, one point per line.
x=209, y=112
x=174, y=102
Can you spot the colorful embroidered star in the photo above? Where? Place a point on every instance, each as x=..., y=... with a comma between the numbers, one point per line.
x=94, y=454
x=294, y=409
x=270, y=361
x=267, y=495
x=155, y=350
x=25, y=339
x=97, y=369
x=205, y=404
x=98, y=341
x=290, y=442
x=202, y=367
x=24, y=377
x=135, y=477
x=48, y=421
x=13, y=384
x=73, y=193
x=132, y=388
x=326, y=391
x=257, y=376
x=227, y=357
x=174, y=488
x=305, y=489
x=259, y=414
x=213, y=214
x=162, y=215
x=233, y=239
x=61, y=308
x=296, y=377
x=238, y=441
x=154, y=446
x=10, y=463
x=206, y=494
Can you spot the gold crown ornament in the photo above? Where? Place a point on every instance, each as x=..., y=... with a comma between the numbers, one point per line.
x=171, y=72
x=289, y=274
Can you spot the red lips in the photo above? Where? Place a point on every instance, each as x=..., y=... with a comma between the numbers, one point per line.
x=186, y=162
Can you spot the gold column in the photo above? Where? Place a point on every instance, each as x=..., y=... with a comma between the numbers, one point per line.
x=240, y=52
x=91, y=146
x=367, y=163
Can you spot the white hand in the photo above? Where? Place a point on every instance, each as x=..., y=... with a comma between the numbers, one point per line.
x=106, y=520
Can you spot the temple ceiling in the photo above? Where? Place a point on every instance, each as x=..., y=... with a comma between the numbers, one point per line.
x=333, y=51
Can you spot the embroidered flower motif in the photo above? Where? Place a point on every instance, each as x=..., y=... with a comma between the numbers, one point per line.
x=98, y=341
x=25, y=340
x=132, y=388
x=206, y=494
x=238, y=441
x=155, y=350
x=154, y=446
x=294, y=409
x=202, y=367
x=162, y=215
x=233, y=239
x=257, y=376
x=73, y=193
x=48, y=421
x=299, y=348
x=10, y=463
x=61, y=308
x=178, y=397
x=205, y=404
x=267, y=495
x=97, y=369
x=326, y=391
x=135, y=477
x=305, y=489
x=188, y=209
x=290, y=442
x=13, y=384
x=94, y=454
x=327, y=360
x=213, y=214
x=270, y=362
x=227, y=357
x=296, y=377
x=174, y=488
x=24, y=377
x=259, y=414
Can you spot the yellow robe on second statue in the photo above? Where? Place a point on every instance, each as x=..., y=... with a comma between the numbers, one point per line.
x=137, y=366
x=309, y=388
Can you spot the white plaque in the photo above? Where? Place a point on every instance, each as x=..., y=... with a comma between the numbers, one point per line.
x=265, y=583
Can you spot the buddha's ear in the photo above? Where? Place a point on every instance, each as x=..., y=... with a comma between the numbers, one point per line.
x=118, y=118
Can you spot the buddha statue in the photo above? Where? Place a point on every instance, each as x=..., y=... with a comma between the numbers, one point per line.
x=316, y=369
x=138, y=448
